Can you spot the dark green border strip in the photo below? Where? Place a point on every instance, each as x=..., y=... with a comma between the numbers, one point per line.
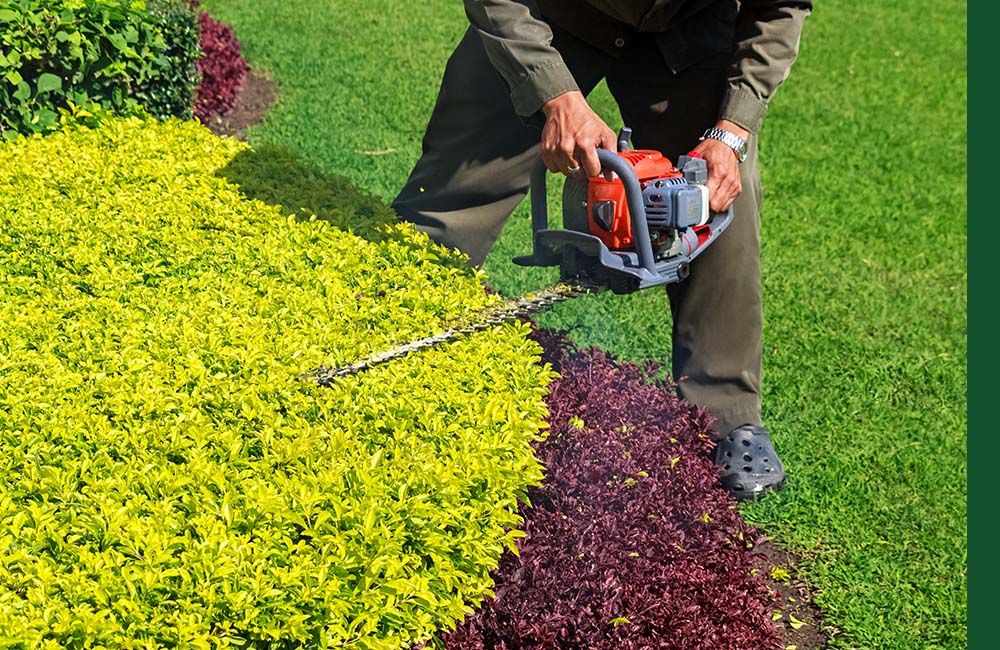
x=984, y=237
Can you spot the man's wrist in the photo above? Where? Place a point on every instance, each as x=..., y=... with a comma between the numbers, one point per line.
x=731, y=135
x=561, y=100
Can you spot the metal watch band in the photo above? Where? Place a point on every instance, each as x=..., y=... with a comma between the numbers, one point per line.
x=733, y=141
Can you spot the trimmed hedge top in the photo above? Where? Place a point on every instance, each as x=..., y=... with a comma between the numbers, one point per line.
x=164, y=479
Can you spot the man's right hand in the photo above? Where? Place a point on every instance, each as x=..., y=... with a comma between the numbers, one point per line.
x=573, y=132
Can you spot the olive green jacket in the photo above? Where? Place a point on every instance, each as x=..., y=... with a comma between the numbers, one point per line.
x=761, y=38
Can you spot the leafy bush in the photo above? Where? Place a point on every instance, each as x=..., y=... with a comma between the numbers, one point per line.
x=222, y=67
x=631, y=543
x=171, y=87
x=165, y=480
x=85, y=56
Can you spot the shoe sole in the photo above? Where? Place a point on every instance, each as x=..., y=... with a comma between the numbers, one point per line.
x=747, y=495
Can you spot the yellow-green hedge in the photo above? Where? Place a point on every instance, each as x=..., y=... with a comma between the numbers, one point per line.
x=165, y=481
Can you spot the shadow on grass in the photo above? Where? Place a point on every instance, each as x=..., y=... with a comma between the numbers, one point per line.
x=281, y=178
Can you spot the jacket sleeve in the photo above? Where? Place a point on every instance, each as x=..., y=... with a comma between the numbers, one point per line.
x=519, y=44
x=767, y=43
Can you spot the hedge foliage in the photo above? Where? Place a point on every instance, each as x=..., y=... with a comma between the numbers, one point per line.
x=165, y=481
x=169, y=90
x=80, y=58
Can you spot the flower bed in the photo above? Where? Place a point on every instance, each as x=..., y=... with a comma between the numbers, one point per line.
x=222, y=67
x=165, y=479
x=631, y=543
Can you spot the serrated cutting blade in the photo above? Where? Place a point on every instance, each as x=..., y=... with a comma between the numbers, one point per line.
x=505, y=312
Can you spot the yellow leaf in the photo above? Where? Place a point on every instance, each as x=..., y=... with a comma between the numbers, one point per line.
x=780, y=574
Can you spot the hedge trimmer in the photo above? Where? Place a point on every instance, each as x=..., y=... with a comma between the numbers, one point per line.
x=641, y=229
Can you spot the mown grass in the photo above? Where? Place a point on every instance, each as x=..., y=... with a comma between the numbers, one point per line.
x=864, y=263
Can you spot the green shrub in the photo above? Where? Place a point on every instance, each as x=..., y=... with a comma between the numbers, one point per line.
x=84, y=56
x=165, y=481
x=170, y=87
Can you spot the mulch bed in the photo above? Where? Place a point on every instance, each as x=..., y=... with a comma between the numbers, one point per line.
x=799, y=621
x=253, y=102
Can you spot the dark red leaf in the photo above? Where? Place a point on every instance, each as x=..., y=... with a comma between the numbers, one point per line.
x=222, y=67
x=626, y=548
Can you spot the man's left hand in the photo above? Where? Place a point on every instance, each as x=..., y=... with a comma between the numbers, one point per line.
x=724, y=183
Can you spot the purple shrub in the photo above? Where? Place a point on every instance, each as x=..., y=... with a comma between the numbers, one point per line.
x=222, y=67
x=631, y=543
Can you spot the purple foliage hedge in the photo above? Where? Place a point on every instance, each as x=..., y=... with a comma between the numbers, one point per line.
x=630, y=542
x=222, y=67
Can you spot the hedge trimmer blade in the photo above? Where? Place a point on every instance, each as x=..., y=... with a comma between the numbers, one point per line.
x=505, y=312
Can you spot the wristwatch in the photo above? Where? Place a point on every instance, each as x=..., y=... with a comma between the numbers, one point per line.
x=735, y=142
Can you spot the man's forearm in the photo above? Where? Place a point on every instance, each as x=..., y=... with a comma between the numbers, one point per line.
x=767, y=44
x=519, y=44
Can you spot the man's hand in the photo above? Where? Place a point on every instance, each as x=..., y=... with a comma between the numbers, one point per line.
x=573, y=132
x=724, y=183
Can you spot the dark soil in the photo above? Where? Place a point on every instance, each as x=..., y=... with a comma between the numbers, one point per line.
x=254, y=101
x=795, y=615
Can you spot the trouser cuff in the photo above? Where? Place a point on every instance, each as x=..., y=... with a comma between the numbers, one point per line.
x=728, y=419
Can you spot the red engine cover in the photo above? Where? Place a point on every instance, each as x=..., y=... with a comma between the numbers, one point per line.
x=648, y=165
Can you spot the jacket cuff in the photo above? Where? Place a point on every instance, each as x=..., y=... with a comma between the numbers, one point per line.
x=541, y=85
x=743, y=107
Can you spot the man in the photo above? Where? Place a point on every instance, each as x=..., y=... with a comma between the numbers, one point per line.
x=686, y=74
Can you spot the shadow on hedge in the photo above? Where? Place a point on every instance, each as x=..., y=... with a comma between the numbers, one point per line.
x=282, y=178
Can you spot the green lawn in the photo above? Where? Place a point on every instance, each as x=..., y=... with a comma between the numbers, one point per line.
x=864, y=262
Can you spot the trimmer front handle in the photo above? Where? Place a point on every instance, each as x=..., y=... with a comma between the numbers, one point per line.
x=610, y=161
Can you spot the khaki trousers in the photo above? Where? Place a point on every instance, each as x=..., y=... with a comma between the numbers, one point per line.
x=477, y=157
